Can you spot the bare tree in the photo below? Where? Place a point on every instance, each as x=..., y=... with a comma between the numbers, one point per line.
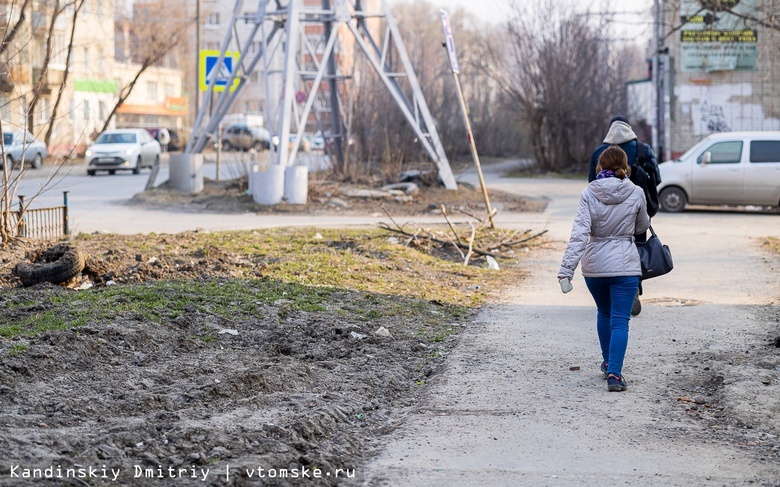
x=566, y=80
x=16, y=42
x=153, y=38
x=10, y=34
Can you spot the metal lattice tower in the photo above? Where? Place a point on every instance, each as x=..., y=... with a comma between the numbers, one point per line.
x=278, y=28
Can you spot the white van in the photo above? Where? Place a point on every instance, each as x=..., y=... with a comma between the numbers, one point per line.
x=729, y=168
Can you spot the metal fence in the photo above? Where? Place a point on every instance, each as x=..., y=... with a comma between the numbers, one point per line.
x=41, y=223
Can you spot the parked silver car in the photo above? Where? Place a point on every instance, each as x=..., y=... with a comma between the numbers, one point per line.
x=244, y=137
x=729, y=168
x=125, y=149
x=22, y=143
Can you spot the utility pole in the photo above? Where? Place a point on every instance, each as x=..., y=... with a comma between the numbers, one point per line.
x=196, y=91
x=659, y=81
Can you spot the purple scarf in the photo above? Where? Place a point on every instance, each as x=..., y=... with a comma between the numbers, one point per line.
x=605, y=173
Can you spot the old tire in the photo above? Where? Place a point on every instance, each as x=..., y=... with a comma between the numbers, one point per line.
x=57, y=264
x=672, y=199
x=138, y=165
x=226, y=146
x=37, y=161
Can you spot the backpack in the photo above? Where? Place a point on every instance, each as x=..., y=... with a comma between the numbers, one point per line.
x=644, y=161
x=646, y=178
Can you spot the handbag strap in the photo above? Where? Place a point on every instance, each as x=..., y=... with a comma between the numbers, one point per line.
x=652, y=232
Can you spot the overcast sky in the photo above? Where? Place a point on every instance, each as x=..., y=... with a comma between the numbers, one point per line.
x=628, y=23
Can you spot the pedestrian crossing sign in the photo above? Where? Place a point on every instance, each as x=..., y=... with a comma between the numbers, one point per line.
x=207, y=65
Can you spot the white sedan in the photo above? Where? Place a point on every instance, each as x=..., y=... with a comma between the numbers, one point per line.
x=125, y=149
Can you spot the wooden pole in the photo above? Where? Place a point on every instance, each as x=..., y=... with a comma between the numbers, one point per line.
x=473, y=146
x=449, y=45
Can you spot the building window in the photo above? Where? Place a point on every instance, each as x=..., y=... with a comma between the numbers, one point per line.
x=213, y=19
x=212, y=46
x=169, y=89
x=151, y=90
x=102, y=110
x=253, y=77
x=86, y=109
x=99, y=9
x=86, y=59
x=101, y=61
x=58, y=49
x=5, y=108
x=44, y=110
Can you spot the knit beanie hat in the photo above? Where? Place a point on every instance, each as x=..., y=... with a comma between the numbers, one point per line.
x=619, y=118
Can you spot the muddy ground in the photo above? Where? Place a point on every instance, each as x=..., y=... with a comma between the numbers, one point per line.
x=278, y=390
x=332, y=198
x=199, y=396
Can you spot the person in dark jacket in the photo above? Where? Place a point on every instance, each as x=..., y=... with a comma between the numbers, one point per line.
x=644, y=173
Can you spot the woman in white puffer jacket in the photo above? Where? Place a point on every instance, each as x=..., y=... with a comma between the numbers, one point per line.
x=612, y=210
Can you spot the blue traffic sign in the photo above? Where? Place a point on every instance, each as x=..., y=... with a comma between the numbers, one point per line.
x=207, y=69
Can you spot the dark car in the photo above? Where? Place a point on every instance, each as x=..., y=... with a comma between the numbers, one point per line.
x=244, y=137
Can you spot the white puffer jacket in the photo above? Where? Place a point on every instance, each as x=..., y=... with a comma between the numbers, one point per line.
x=611, y=211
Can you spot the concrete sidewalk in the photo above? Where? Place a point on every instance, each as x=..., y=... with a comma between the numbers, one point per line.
x=509, y=411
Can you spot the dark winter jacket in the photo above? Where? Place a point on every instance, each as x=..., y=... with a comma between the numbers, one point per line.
x=621, y=134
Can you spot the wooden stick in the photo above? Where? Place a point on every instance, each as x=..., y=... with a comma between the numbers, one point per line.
x=390, y=217
x=509, y=244
x=462, y=255
x=413, y=237
x=471, y=245
x=477, y=251
x=444, y=212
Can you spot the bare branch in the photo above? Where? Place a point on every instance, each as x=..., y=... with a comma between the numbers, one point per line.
x=444, y=212
x=15, y=29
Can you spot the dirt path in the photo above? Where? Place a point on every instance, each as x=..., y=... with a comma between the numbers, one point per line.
x=509, y=411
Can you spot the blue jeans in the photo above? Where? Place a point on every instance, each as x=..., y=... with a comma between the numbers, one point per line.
x=614, y=297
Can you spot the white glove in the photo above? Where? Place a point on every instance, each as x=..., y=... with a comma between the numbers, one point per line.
x=565, y=283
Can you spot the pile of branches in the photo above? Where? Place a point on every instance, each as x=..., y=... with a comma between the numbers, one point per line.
x=475, y=237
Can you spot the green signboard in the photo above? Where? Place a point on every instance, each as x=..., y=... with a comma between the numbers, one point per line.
x=717, y=40
x=95, y=85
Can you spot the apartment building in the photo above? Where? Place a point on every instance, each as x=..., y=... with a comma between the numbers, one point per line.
x=74, y=94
